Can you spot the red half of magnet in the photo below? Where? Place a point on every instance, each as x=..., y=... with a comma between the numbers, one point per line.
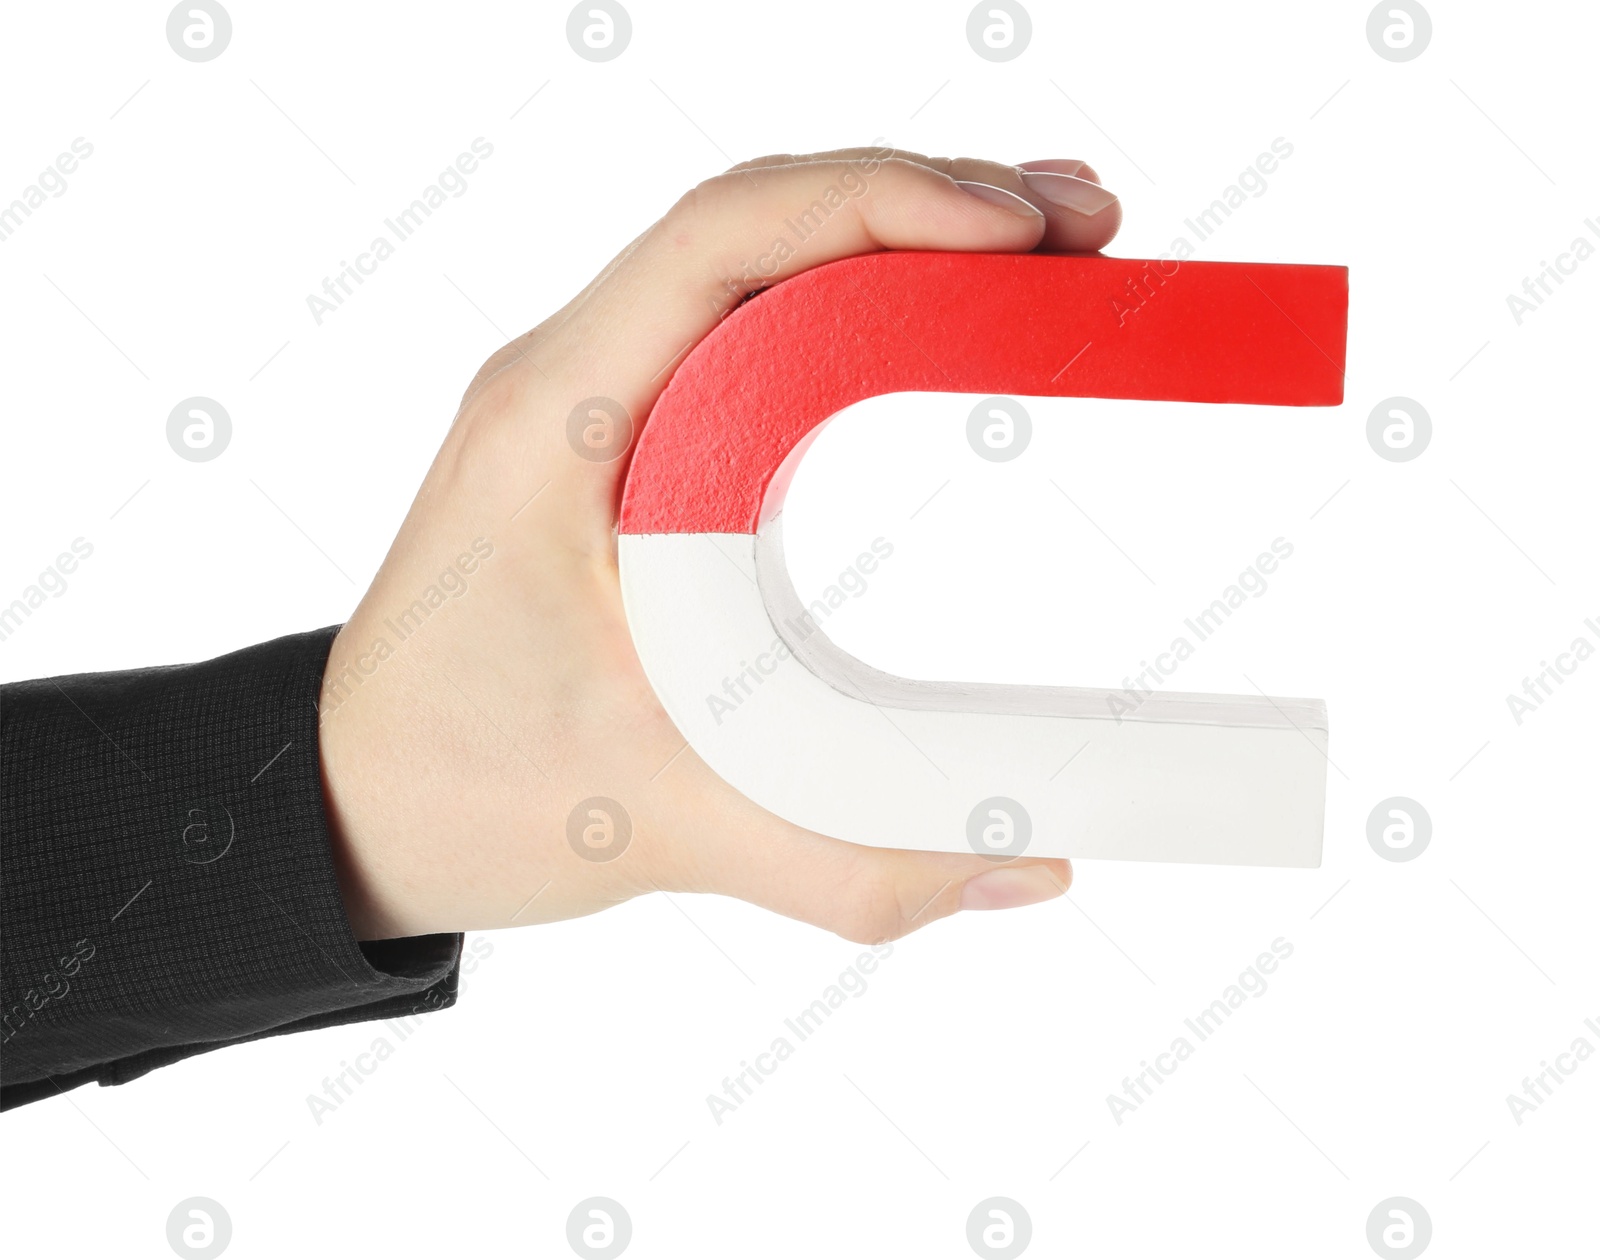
x=1013, y=324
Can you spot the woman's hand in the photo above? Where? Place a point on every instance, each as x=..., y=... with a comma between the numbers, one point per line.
x=487, y=685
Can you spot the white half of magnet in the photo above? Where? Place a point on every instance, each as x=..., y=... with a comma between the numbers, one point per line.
x=833, y=745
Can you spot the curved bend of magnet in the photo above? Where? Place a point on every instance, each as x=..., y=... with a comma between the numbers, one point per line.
x=821, y=739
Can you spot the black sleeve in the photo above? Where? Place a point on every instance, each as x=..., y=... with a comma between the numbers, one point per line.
x=166, y=876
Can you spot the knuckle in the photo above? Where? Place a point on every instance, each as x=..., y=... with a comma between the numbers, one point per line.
x=709, y=195
x=870, y=912
x=698, y=207
x=904, y=170
x=497, y=389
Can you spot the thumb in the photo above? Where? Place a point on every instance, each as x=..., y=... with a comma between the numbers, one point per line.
x=864, y=894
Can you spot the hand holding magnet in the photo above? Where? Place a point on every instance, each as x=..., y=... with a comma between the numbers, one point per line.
x=839, y=747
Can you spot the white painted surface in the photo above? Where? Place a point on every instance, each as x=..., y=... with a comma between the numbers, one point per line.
x=1240, y=784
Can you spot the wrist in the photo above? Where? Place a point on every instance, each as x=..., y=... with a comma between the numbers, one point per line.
x=369, y=879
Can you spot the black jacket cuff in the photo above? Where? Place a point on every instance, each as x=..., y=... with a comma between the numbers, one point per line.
x=168, y=883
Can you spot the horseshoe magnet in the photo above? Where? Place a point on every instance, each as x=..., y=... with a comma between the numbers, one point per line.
x=832, y=744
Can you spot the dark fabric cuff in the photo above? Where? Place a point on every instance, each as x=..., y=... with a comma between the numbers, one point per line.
x=168, y=883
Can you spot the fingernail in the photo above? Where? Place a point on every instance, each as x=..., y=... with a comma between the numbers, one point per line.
x=1069, y=192
x=1008, y=889
x=1000, y=197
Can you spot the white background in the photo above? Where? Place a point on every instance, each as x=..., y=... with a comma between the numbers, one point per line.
x=978, y=1062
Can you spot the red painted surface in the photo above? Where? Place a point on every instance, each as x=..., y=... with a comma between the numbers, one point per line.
x=1014, y=324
